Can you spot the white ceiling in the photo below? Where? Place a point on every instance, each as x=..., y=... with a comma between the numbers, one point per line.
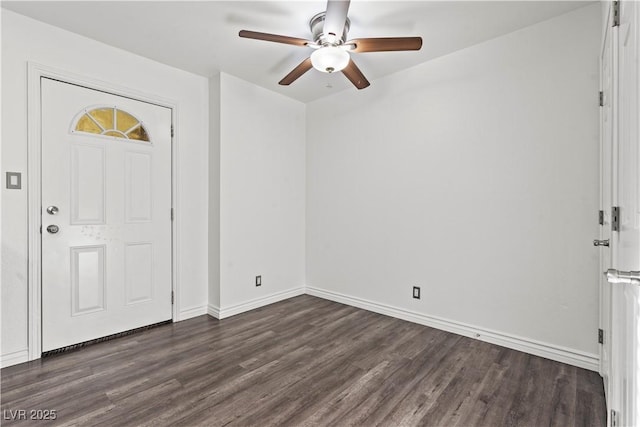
x=202, y=36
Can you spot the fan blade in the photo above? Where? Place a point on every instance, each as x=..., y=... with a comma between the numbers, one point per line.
x=273, y=38
x=385, y=44
x=335, y=17
x=302, y=68
x=354, y=74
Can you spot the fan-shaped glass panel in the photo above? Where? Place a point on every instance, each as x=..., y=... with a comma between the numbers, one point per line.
x=111, y=121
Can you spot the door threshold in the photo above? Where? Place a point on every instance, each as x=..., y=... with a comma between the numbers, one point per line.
x=73, y=347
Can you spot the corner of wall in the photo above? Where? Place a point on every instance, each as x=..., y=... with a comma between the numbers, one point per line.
x=214, y=192
x=261, y=213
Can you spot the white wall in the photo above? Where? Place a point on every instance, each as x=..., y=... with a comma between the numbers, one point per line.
x=262, y=195
x=23, y=40
x=474, y=176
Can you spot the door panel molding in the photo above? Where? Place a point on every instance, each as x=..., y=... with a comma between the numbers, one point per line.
x=85, y=302
x=88, y=182
x=138, y=256
x=34, y=179
x=138, y=167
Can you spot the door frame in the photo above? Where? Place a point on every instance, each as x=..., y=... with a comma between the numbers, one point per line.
x=603, y=286
x=34, y=174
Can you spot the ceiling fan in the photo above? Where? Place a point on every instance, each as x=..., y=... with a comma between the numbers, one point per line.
x=331, y=48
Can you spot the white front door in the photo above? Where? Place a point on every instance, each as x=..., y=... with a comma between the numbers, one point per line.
x=106, y=214
x=624, y=387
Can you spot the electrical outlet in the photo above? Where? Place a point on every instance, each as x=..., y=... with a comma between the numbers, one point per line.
x=258, y=280
x=416, y=292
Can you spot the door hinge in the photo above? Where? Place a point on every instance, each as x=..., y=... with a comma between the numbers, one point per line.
x=601, y=217
x=601, y=98
x=172, y=298
x=614, y=418
x=600, y=336
x=40, y=229
x=171, y=214
x=615, y=13
x=615, y=218
x=171, y=131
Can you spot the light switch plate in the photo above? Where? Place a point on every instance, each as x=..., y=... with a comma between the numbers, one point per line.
x=14, y=180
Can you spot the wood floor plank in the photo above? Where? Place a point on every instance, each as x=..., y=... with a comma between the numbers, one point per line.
x=403, y=381
x=304, y=361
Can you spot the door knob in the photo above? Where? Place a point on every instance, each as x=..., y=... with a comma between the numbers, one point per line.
x=52, y=210
x=618, y=276
x=53, y=229
x=601, y=242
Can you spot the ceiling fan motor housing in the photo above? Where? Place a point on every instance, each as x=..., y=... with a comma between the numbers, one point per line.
x=319, y=37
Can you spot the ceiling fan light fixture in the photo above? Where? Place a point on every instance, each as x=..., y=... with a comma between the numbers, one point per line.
x=331, y=47
x=330, y=59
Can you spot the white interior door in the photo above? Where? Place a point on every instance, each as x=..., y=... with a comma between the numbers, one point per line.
x=606, y=175
x=106, y=186
x=624, y=388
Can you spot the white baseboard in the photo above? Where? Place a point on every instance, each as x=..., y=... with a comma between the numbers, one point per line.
x=232, y=310
x=192, y=312
x=14, y=358
x=561, y=354
x=213, y=311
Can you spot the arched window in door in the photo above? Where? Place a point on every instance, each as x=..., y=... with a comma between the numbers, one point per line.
x=111, y=121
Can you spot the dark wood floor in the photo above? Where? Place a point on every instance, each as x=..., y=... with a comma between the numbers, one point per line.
x=302, y=362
